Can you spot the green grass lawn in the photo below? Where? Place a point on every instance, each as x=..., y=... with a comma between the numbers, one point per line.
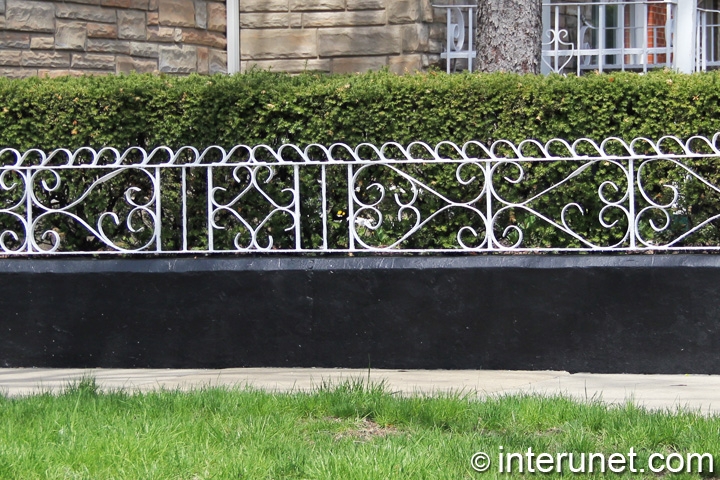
x=345, y=431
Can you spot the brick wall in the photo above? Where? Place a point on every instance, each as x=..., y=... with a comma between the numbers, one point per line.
x=48, y=37
x=340, y=36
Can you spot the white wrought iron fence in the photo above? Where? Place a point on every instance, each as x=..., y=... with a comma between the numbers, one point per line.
x=555, y=196
x=608, y=35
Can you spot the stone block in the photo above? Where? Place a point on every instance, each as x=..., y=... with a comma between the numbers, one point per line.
x=264, y=6
x=70, y=35
x=415, y=37
x=271, y=20
x=153, y=5
x=2, y=7
x=10, y=57
x=45, y=59
x=405, y=64
x=46, y=73
x=42, y=42
x=18, y=72
x=201, y=14
x=274, y=44
x=357, y=64
x=86, y=12
x=93, y=61
x=144, y=49
x=131, y=25
x=102, y=30
x=303, y=5
x=132, y=4
x=343, y=42
x=343, y=19
x=88, y=2
x=14, y=40
x=289, y=66
x=203, y=60
x=177, y=13
x=30, y=16
x=153, y=18
x=164, y=34
x=101, y=45
x=177, y=59
x=426, y=11
x=217, y=17
x=366, y=4
x=265, y=20
x=125, y=64
x=217, y=61
x=203, y=37
x=404, y=11
x=436, y=46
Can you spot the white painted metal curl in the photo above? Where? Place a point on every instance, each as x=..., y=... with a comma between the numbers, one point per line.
x=473, y=197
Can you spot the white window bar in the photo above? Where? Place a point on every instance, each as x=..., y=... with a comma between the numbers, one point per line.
x=707, y=37
x=459, y=34
x=608, y=35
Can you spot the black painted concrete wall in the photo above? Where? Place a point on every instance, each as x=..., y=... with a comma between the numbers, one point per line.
x=635, y=313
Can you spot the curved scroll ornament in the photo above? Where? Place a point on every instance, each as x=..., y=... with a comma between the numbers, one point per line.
x=249, y=227
x=131, y=226
x=457, y=33
x=392, y=206
x=13, y=214
x=557, y=41
x=663, y=221
x=521, y=206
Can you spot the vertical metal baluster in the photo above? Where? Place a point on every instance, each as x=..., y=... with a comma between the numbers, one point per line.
x=621, y=26
x=350, y=212
x=704, y=46
x=668, y=35
x=323, y=184
x=578, y=40
x=183, y=171
x=471, y=38
x=646, y=47
x=602, y=24
x=211, y=245
x=28, y=208
x=158, y=212
x=447, y=40
x=698, y=55
x=298, y=243
x=631, y=197
x=488, y=203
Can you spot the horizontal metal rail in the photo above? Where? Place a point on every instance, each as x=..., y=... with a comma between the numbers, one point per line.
x=583, y=196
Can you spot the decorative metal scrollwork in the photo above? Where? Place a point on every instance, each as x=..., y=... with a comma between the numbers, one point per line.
x=612, y=195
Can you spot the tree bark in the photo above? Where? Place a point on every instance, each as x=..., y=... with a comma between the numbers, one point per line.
x=509, y=35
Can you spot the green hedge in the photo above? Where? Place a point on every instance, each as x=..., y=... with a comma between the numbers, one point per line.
x=262, y=107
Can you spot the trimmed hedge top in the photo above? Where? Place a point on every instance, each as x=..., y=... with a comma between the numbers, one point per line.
x=269, y=108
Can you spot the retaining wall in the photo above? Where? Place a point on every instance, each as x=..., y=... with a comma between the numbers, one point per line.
x=616, y=313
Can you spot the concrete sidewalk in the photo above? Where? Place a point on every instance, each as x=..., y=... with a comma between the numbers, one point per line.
x=695, y=392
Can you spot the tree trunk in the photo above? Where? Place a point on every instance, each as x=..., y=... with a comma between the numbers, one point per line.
x=509, y=35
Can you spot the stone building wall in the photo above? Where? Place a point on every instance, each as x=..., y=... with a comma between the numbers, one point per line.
x=49, y=37
x=340, y=36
